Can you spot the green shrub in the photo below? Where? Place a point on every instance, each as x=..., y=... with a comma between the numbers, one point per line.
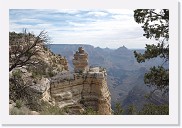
x=19, y=103
x=45, y=47
x=17, y=73
x=47, y=109
x=151, y=109
x=41, y=70
x=19, y=111
x=90, y=111
x=118, y=109
x=50, y=74
x=131, y=110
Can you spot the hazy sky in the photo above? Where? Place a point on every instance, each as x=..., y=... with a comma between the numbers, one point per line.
x=104, y=28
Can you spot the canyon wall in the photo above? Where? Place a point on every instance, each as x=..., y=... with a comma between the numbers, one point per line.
x=88, y=89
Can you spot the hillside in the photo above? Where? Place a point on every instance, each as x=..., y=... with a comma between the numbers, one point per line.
x=32, y=65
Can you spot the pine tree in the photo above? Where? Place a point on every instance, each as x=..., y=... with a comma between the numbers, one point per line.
x=155, y=24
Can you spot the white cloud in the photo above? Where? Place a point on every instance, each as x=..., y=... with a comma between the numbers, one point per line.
x=120, y=11
x=117, y=28
x=76, y=24
x=97, y=14
x=26, y=20
x=68, y=11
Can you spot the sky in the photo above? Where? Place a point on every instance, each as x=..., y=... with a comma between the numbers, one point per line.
x=110, y=28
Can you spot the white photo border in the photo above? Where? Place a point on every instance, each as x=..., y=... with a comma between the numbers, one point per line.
x=171, y=119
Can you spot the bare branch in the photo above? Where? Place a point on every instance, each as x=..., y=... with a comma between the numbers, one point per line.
x=24, y=46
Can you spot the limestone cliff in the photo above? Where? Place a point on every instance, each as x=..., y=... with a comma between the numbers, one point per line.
x=88, y=89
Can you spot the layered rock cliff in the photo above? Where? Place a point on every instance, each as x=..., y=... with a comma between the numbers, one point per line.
x=88, y=89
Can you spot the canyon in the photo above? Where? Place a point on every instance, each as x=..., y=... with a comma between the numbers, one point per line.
x=86, y=87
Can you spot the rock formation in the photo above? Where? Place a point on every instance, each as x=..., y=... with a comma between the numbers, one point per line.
x=80, y=61
x=86, y=87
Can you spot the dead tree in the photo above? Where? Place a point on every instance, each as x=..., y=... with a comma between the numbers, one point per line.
x=23, y=48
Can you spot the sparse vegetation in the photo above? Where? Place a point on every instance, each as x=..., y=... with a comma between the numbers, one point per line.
x=23, y=48
x=151, y=109
x=19, y=104
x=41, y=107
x=17, y=86
x=27, y=67
x=47, y=109
x=17, y=73
x=90, y=111
x=118, y=109
x=19, y=111
x=44, y=70
x=131, y=110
